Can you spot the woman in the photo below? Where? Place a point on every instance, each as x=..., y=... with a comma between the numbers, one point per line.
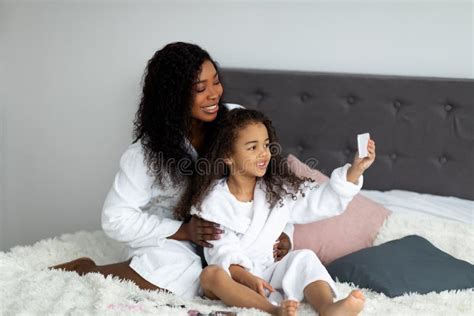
x=175, y=123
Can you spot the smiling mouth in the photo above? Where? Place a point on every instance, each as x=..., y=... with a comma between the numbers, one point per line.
x=213, y=108
x=262, y=165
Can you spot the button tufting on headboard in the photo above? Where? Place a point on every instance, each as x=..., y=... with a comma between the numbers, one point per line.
x=351, y=100
x=259, y=96
x=443, y=160
x=304, y=97
x=397, y=104
x=448, y=107
x=318, y=115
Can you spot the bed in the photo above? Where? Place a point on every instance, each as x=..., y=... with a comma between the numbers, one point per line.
x=424, y=174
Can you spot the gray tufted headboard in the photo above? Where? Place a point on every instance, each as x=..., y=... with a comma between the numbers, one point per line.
x=423, y=127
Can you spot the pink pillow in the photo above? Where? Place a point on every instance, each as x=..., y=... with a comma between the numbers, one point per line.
x=338, y=236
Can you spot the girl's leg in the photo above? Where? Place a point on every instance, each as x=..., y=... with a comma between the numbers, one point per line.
x=217, y=284
x=122, y=270
x=319, y=296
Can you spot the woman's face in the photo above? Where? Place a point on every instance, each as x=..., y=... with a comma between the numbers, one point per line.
x=207, y=93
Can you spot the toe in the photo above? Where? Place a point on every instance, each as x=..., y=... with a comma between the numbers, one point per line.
x=358, y=294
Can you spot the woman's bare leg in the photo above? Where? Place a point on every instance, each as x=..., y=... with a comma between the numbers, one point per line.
x=319, y=296
x=81, y=265
x=121, y=270
x=217, y=284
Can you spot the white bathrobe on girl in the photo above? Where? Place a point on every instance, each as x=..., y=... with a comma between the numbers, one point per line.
x=252, y=227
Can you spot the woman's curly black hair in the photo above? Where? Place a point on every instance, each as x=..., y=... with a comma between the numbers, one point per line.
x=163, y=119
x=280, y=181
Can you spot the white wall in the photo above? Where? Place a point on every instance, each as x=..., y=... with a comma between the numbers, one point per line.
x=70, y=74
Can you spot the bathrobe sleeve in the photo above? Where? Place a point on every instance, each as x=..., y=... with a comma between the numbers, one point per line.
x=122, y=217
x=329, y=199
x=226, y=251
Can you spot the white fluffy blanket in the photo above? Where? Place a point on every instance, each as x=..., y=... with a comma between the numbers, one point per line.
x=27, y=287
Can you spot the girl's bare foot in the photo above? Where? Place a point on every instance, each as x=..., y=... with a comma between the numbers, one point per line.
x=81, y=266
x=350, y=306
x=288, y=308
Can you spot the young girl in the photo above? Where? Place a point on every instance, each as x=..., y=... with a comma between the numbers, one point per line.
x=252, y=194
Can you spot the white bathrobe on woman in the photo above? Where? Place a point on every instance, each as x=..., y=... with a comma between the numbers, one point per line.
x=139, y=213
x=252, y=227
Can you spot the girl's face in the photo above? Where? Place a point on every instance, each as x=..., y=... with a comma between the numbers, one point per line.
x=207, y=93
x=251, y=151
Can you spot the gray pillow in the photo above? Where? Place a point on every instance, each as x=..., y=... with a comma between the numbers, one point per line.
x=410, y=264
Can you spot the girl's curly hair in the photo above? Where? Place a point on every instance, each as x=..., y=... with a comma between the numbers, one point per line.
x=163, y=119
x=280, y=181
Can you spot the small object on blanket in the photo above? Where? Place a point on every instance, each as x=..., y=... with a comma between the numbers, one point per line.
x=176, y=306
x=362, y=142
x=194, y=312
